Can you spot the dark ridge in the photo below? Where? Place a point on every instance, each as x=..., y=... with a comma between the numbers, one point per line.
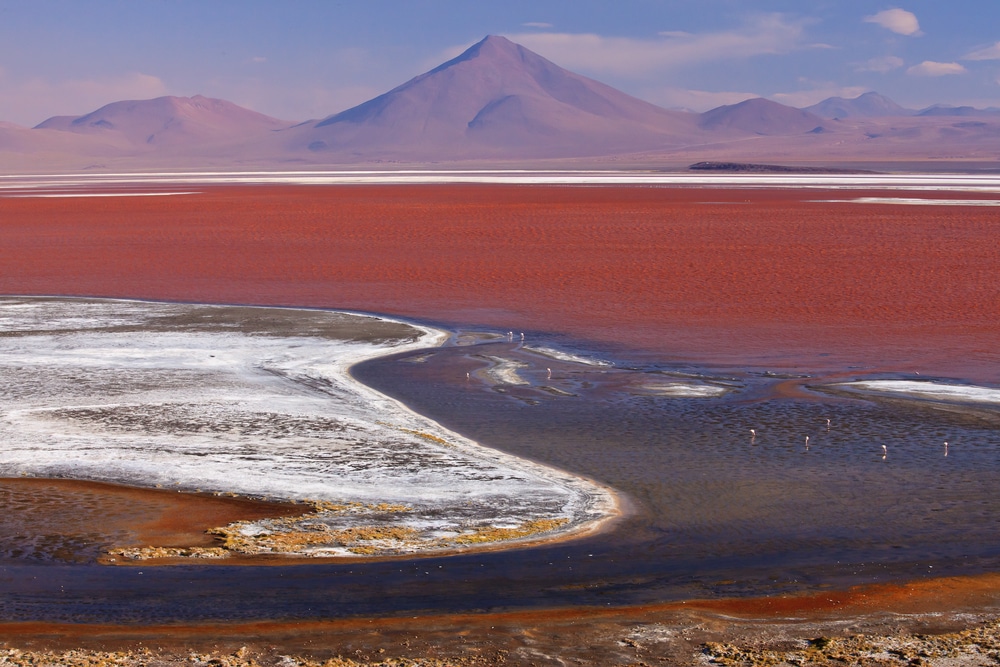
x=751, y=168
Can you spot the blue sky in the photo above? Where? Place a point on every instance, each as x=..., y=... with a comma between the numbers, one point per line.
x=310, y=58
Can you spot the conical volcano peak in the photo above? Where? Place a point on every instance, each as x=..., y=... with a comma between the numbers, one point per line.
x=492, y=49
x=498, y=98
x=493, y=46
x=496, y=43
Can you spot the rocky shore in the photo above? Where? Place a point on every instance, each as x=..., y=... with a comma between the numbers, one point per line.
x=632, y=644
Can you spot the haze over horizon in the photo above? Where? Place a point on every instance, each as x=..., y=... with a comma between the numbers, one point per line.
x=315, y=59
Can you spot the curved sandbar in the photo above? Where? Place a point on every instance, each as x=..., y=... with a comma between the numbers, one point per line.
x=927, y=390
x=259, y=402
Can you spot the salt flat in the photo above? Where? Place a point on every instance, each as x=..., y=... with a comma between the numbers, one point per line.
x=259, y=402
x=915, y=181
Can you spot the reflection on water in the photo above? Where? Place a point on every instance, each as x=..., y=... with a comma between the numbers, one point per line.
x=715, y=510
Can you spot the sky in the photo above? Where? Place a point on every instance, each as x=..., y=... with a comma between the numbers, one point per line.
x=303, y=59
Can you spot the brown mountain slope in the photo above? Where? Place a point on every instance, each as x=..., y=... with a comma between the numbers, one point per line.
x=497, y=99
x=760, y=116
x=867, y=105
x=169, y=123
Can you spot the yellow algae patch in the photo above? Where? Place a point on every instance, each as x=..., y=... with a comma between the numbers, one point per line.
x=146, y=553
x=485, y=534
x=297, y=541
x=427, y=436
x=304, y=537
x=327, y=506
x=291, y=535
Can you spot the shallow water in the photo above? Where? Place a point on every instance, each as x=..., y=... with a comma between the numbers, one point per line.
x=714, y=510
x=704, y=487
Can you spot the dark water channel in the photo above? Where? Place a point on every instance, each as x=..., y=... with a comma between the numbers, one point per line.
x=712, y=511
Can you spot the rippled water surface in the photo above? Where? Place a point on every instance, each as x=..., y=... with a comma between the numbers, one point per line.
x=704, y=487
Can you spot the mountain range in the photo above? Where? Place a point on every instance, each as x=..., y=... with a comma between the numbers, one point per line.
x=500, y=103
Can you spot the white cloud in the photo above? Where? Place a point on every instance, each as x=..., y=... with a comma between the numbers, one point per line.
x=931, y=68
x=31, y=101
x=633, y=57
x=702, y=100
x=898, y=21
x=805, y=98
x=626, y=56
x=537, y=24
x=694, y=100
x=882, y=65
x=988, y=53
x=294, y=100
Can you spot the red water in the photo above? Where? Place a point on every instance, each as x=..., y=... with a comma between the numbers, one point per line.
x=742, y=276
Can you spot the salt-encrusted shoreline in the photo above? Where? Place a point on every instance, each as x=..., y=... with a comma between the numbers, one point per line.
x=925, y=390
x=236, y=400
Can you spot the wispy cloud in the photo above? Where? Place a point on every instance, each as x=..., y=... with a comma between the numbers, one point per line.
x=805, y=98
x=988, y=53
x=703, y=100
x=694, y=100
x=31, y=101
x=881, y=65
x=633, y=57
x=931, y=68
x=897, y=20
x=537, y=24
x=258, y=59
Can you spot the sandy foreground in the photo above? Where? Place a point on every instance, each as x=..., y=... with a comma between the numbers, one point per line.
x=943, y=622
x=723, y=276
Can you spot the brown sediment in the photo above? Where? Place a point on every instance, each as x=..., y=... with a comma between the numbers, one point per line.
x=676, y=633
x=289, y=540
x=109, y=515
x=78, y=521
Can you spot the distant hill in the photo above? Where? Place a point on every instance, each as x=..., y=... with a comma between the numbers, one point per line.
x=13, y=137
x=751, y=168
x=25, y=150
x=497, y=99
x=500, y=103
x=948, y=110
x=868, y=105
x=761, y=116
x=168, y=122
